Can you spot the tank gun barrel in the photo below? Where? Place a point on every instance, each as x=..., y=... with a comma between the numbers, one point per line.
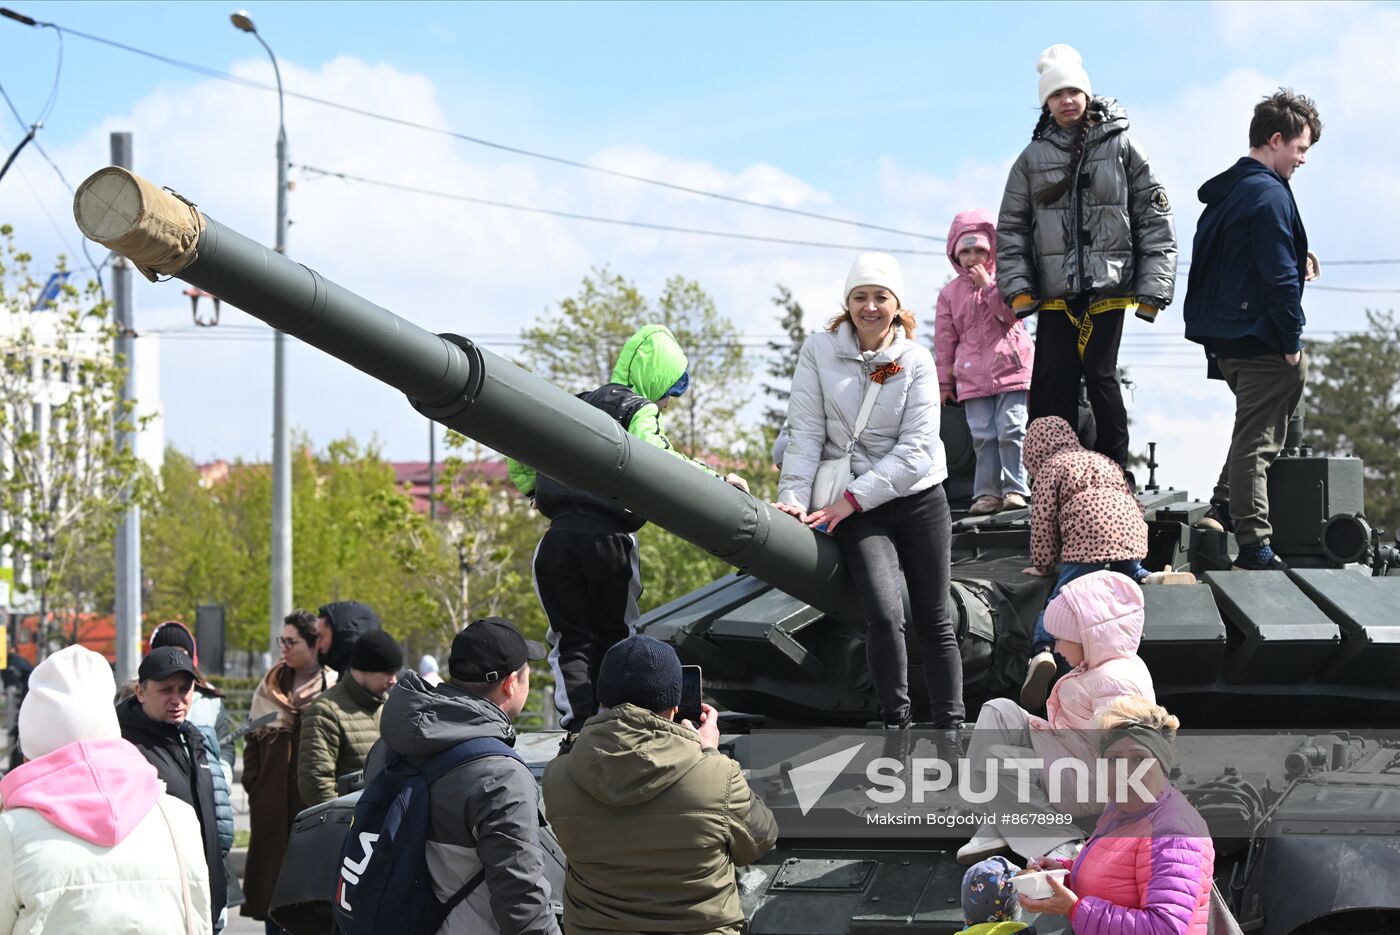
x=463, y=386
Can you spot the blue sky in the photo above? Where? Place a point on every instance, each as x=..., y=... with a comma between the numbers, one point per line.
x=792, y=84
x=898, y=114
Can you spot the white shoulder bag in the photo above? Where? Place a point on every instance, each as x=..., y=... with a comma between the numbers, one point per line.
x=834, y=474
x=190, y=927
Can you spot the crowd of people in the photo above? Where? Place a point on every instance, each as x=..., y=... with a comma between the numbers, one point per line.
x=121, y=816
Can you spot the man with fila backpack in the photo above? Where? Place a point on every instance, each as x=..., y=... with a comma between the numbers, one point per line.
x=478, y=859
x=586, y=568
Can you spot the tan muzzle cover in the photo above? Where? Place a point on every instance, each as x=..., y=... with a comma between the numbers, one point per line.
x=154, y=228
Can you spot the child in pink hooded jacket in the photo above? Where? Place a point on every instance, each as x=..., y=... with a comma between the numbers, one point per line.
x=984, y=357
x=89, y=838
x=1097, y=623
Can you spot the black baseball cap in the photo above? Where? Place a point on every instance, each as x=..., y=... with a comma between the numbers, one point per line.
x=164, y=662
x=490, y=649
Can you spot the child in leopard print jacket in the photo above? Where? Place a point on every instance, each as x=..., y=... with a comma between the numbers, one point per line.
x=1084, y=518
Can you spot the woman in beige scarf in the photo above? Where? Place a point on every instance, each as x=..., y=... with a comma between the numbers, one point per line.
x=270, y=756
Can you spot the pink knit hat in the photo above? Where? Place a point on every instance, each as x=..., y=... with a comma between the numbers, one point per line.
x=974, y=239
x=1092, y=600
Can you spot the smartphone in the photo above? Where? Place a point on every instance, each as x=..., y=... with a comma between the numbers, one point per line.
x=691, y=694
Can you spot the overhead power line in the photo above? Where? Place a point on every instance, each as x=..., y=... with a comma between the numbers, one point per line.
x=470, y=138
x=559, y=160
x=595, y=219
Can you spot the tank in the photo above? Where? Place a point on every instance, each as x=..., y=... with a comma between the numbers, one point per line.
x=1292, y=677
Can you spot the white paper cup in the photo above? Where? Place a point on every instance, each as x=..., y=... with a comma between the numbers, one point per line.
x=1036, y=885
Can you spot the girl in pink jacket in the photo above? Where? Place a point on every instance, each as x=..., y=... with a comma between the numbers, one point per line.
x=984, y=356
x=1097, y=623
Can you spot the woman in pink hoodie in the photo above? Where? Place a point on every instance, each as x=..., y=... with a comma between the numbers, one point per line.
x=984, y=358
x=1097, y=624
x=89, y=841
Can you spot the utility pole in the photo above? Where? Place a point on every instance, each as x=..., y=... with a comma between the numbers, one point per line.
x=128, y=544
x=281, y=442
x=281, y=571
x=432, y=470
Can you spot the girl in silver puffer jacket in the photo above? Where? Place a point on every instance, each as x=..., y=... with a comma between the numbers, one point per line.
x=1085, y=234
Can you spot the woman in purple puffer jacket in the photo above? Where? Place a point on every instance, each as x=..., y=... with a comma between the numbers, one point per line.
x=1148, y=866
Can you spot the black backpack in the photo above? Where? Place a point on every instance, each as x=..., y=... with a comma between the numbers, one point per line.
x=383, y=884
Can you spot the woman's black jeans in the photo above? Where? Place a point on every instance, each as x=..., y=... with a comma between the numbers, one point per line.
x=907, y=540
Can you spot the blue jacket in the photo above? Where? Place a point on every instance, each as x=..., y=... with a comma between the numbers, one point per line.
x=1248, y=260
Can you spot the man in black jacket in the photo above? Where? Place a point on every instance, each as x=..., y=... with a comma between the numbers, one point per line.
x=153, y=720
x=338, y=626
x=1244, y=303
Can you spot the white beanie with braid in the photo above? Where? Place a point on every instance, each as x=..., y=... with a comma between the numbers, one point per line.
x=1061, y=66
x=876, y=269
x=71, y=697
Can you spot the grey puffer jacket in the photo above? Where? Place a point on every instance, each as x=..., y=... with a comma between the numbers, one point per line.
x=209, y=715
x=899, y=452
x=485, y=813
x=1110, y=235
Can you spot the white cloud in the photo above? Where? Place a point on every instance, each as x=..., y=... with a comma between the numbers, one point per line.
x=1248, y=24
x=486, y=271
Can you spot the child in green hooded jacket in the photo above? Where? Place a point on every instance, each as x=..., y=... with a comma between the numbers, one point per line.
x=586, y=568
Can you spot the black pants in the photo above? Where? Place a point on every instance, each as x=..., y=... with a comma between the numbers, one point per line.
x=907, y=541
x=1057, y=369
x=588, y=585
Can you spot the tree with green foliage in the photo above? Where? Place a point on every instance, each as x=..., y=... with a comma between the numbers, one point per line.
x=705, y=420
x=358, y=537
x=62, y=475
x=192, y=553
x=1353, y=408
x=577, y=348
x=783, y=364
x=475, y=560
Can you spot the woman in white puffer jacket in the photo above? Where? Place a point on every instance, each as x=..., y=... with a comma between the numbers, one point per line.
x=89, y=841
x=894, y=513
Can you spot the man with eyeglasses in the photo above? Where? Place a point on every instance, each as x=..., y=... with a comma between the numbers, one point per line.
x=586, y=569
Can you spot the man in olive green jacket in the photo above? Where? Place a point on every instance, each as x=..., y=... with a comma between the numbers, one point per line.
x=341, y=725
x=652, y=817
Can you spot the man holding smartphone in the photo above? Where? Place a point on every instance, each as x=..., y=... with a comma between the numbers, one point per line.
x=643, y=805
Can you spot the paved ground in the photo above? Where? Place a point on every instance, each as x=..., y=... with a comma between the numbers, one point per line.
x=237, y=924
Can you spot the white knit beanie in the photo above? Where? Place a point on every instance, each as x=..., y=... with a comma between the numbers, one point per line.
x=71, y=697
x=1061, y=66
x=876, y=269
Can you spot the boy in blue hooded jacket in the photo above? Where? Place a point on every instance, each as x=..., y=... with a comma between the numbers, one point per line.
x=1244, y=304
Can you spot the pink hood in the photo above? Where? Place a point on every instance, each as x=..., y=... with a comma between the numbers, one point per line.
x=972, y=222
x=979, y=347
x=97, y=790
x=1101, y=611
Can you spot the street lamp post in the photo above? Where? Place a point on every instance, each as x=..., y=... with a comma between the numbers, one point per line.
x=281, y=604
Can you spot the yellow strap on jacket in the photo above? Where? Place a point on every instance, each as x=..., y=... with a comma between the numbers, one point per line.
x=1084, y=323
